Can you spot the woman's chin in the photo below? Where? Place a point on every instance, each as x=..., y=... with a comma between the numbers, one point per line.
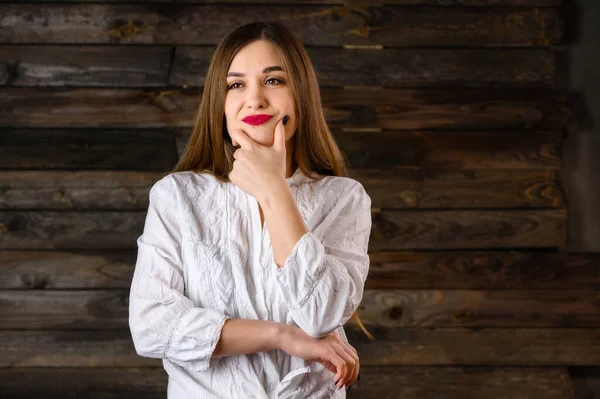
x=260, y=135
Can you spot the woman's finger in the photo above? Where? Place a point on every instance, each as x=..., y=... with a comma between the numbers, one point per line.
x=345, y=354
x=357, y=372
x=349, y=348
x=329, y=366
x=349, y=354
x=241, y=138
x=340, y=365
x=354, y=355
x=353, y=349
x=356, y=367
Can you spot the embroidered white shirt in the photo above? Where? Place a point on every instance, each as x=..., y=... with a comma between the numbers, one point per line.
x=203, y=257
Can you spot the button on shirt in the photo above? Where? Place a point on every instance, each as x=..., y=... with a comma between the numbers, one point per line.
x=203, y=257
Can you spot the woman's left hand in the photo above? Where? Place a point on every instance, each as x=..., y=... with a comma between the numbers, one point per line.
x=256, y=167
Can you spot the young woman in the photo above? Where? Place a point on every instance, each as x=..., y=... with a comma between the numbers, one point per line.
x=254, y=249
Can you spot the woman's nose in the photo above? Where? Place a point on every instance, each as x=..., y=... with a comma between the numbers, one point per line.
x=256, y=97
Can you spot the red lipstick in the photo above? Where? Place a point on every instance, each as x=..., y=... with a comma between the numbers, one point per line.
x=257, y=119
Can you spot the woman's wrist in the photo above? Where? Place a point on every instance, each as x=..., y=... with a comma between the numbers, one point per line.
x=281, y=331
x=245, y=336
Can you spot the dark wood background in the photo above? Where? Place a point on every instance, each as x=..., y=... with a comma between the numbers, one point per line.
x=449, y=114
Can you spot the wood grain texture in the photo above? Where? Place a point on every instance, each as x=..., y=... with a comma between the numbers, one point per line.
x=491, y=270
x=475, y=3
x=326, y=25
x=114, y=149
x=439, y=109
x=70, y=229
x=426, y=169
x=462, y=308
x=466, y=229
x=443, y=150
x=91, y=383
x=476, y=346
x=343, y=108
x=404, y=382
x=108, y=309
x=52, y=189
x=468, y=383
x=111, y=269
x=112, y=66
x=392, y=230
x=478, y=270
x=498, y=150
x=42, y=309
x=392, y=347
x=429, y=189
x=465, y=68
x=56, y=348
x=586, y=381
x=105, y=108
x=491, y=189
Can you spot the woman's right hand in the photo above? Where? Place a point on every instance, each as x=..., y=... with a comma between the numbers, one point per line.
x=331, y=351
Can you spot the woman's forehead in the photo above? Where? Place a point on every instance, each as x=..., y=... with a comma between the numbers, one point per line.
x=256, y=57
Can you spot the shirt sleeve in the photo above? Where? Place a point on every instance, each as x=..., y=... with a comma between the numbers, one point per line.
x=163, y=322
x=322, y=281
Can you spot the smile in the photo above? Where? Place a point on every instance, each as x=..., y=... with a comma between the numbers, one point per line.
x=257, y=119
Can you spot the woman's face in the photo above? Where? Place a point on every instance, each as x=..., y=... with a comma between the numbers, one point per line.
x=258, y=85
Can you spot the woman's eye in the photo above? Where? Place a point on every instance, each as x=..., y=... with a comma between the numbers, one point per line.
x=274, y=80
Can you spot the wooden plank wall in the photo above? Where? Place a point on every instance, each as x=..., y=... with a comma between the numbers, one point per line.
x=448, y=113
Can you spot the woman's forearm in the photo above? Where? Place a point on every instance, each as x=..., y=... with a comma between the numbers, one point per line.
x=243, y=336
x=283, y=220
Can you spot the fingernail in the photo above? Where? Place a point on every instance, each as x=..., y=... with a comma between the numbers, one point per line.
x=347, y=389
x=285, y=119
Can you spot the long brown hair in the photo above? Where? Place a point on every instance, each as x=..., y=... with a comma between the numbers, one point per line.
x=209, y=148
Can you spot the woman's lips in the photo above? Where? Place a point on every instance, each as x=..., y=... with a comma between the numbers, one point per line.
x=257, y=119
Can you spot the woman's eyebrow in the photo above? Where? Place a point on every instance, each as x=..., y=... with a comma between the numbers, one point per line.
x=266, y=70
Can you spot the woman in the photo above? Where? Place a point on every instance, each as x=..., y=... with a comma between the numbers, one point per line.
x=253, y=258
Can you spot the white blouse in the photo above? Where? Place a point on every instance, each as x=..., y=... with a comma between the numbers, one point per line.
x=203, y=257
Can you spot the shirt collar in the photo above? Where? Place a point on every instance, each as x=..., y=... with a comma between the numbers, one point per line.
x=297, y=178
